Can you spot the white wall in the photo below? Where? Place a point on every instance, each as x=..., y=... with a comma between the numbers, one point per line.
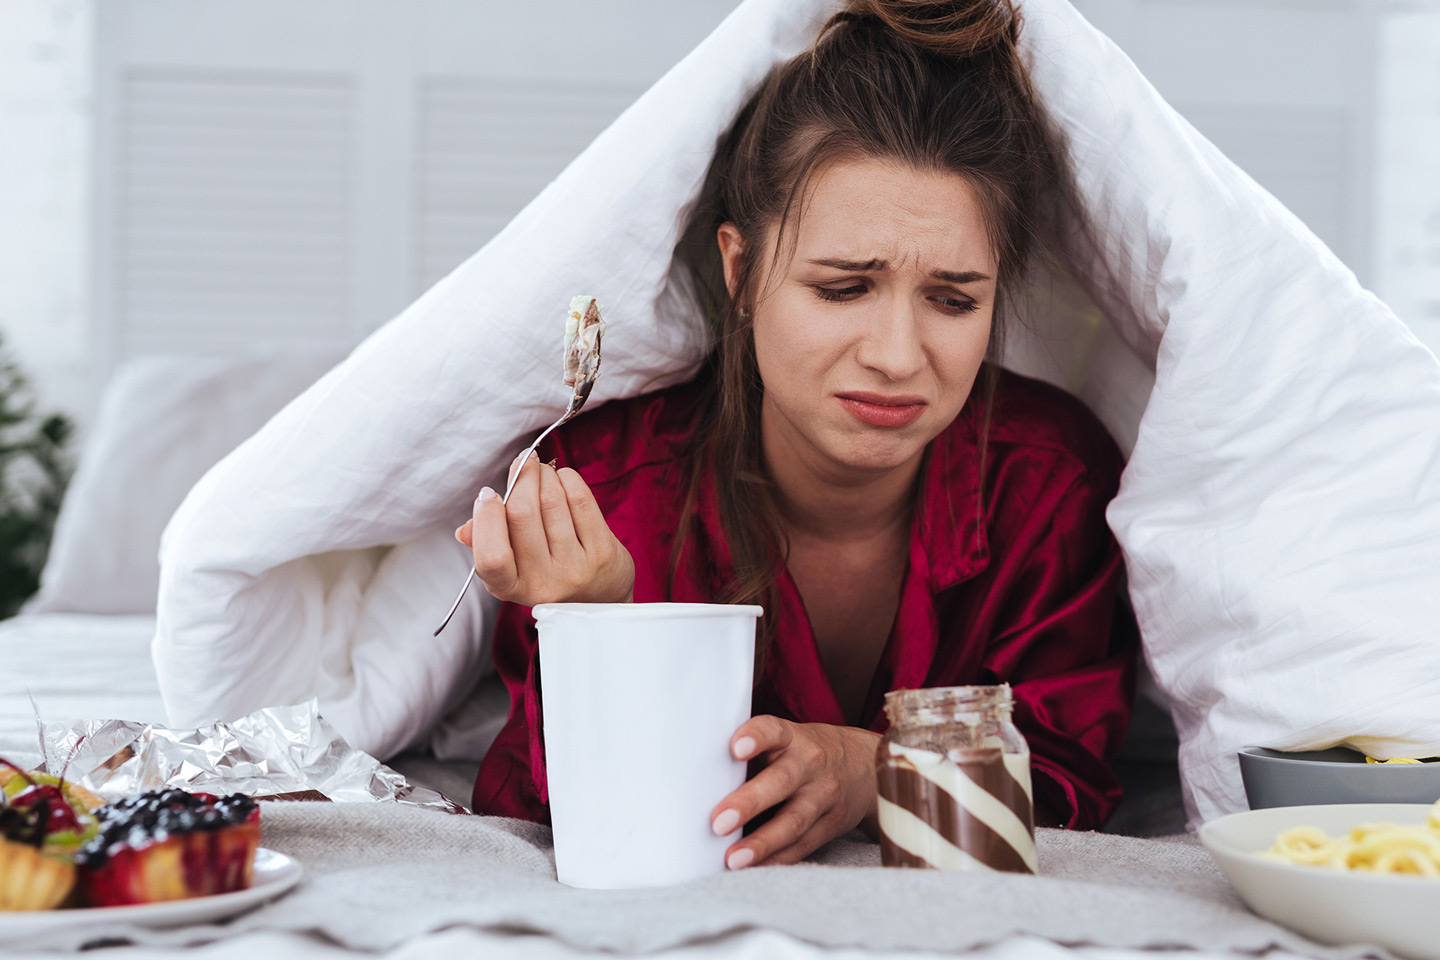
x=45, y=134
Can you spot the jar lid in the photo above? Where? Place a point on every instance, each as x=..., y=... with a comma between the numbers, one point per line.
x=941, y=704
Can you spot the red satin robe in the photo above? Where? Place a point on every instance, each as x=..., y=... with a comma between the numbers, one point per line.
x=1029, y=598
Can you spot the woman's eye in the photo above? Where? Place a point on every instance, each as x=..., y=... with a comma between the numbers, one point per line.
x=840, y=293
x=956, y=306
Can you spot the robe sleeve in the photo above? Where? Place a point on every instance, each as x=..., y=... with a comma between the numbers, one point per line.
x=1066, y=641
x=511, y=781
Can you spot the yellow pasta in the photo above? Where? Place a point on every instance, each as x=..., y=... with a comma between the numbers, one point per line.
x=1305, y=845
x=1407, y=861
x=1369, y=847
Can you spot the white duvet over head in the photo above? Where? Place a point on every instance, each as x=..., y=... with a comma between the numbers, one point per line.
x=1279, y=516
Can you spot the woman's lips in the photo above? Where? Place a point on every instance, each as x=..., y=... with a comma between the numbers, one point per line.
x=880, y=410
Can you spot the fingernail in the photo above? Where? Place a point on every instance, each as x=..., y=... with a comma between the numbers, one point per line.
x=740, y=859
x=743, y=748
x=487, y=494
x=533, y=456
x=726, y=822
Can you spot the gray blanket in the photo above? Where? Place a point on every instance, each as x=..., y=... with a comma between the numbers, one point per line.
x=379, y=875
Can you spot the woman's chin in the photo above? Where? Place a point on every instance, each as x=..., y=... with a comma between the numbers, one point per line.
x=877, y=455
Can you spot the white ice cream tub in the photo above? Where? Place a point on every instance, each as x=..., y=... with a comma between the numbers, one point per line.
x=640, y=701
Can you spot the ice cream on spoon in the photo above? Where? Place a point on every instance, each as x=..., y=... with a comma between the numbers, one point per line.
x=583, y=329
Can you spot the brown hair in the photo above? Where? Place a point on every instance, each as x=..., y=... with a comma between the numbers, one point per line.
x=935, y=85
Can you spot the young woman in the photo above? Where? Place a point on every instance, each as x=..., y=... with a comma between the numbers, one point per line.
x=907, y=514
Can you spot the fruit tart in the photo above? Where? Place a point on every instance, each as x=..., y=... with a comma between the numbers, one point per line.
x=169, y=845
x=43, y=822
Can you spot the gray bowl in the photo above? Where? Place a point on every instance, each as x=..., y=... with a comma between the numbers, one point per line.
x=1338, y=775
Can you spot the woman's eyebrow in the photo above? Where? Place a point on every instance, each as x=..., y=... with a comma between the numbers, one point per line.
x=950, y=276
x=865, y=266
x=855, y=266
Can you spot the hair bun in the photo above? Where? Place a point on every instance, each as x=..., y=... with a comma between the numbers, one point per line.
x=958, y=28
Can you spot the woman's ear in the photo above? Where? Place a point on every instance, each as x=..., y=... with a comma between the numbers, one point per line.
x=732, y=253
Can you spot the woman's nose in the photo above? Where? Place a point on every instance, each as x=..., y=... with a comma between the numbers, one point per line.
x=891, y=343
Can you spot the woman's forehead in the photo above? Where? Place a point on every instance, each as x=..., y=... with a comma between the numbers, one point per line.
x=901, y=217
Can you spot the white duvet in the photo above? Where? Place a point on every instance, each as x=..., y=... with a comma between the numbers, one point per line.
x=1280, y=514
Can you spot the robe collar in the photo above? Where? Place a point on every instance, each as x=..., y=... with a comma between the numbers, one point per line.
x=950, y=508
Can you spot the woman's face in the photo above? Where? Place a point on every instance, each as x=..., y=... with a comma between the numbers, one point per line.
x=870, y=337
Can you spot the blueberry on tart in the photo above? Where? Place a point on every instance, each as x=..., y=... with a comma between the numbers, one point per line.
x=169, y=845
x=43, y=822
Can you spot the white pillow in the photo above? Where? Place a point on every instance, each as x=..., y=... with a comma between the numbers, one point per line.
x=162, y=422
x=1278, y=521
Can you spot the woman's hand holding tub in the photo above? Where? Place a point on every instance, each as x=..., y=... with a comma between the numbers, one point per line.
x=819, y=778
x=549, y=544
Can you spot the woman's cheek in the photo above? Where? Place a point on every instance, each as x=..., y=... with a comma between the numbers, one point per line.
x=958, y=357
x=793, y=348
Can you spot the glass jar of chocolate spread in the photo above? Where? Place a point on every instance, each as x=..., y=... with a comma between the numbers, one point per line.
x=954, y=782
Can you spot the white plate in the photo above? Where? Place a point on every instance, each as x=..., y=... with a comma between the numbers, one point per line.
x=1332, y=906
x=275, y=873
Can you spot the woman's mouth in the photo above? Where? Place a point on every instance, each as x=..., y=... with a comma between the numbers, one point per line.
x=880, y=410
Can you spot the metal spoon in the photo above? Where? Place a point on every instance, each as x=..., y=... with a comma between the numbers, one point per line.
x=586, y=370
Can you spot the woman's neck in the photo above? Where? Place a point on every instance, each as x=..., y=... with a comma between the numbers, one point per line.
x=821, y=500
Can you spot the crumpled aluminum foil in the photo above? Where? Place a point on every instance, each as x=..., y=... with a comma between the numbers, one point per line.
x=276, y=752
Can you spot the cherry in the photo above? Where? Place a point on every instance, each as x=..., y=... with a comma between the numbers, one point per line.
x=61, y=816
x=54, y=807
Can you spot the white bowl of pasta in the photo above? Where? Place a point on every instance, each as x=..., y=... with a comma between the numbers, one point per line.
x=1339, y=873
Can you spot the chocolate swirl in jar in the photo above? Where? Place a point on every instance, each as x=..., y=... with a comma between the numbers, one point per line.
x=954, y=783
